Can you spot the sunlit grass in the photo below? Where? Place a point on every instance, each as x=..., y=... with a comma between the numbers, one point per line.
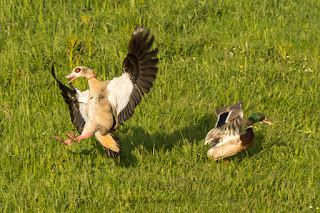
x=212, y=54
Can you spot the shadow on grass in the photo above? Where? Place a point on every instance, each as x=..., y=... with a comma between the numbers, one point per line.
x=152, y=142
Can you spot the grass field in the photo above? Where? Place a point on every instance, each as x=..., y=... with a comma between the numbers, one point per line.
x=212, y=54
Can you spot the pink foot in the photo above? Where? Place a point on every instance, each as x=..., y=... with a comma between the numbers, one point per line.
x=68, y=142
x=73, y=138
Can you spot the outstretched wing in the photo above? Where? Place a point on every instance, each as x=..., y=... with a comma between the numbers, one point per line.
x=228, y=126
x=229, y=113
x=139, y=72
x=77, y=102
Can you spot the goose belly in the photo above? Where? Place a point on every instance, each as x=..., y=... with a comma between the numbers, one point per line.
x=91, y=108
x=100, y=114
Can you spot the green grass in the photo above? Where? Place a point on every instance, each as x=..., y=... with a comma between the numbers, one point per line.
x=164, y=166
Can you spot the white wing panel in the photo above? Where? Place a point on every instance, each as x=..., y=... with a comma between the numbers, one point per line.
x=120, y=89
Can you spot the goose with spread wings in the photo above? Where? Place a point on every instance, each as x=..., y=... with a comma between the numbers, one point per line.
x=227, y=138
x=107, y=104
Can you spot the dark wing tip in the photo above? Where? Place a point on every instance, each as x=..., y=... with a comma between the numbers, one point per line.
x=141, y=64
x=70, y=97
x=140, y=57
x=111, y=154
x=52, y=71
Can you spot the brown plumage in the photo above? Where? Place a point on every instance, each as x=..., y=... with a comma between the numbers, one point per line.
x=110, y=103
x=227, y=138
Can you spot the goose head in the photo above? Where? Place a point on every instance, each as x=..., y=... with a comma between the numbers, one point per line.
x=81, y=72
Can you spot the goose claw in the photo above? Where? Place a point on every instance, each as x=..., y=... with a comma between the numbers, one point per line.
x=72, y=137
x=68, y=142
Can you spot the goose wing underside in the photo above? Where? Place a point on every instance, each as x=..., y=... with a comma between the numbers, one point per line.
x=76, y=101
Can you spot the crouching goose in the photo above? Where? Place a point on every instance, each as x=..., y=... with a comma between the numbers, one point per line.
x=226, y=138
x=107, y=104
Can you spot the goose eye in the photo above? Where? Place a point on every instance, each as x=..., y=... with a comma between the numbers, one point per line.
x=77, y=70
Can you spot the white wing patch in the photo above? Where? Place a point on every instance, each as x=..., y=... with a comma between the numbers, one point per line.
x=83, y=96
x=120, y=89
x=83, y=100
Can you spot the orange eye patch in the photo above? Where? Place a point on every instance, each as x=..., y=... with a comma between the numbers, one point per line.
x=77, y=70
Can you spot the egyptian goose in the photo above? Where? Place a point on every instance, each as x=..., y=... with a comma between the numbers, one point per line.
x=227, y=138
x=107, y=104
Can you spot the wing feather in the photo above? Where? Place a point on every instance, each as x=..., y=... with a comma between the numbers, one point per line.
x=77, y=103
x=229, y=113
x=139, y=72
x=228, y=126
x=219, y=135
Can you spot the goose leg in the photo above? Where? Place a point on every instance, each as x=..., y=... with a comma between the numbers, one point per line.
x=72, y=138
x=83, y=136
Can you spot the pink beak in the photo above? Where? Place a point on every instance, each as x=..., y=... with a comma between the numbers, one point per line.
x=72, y=76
